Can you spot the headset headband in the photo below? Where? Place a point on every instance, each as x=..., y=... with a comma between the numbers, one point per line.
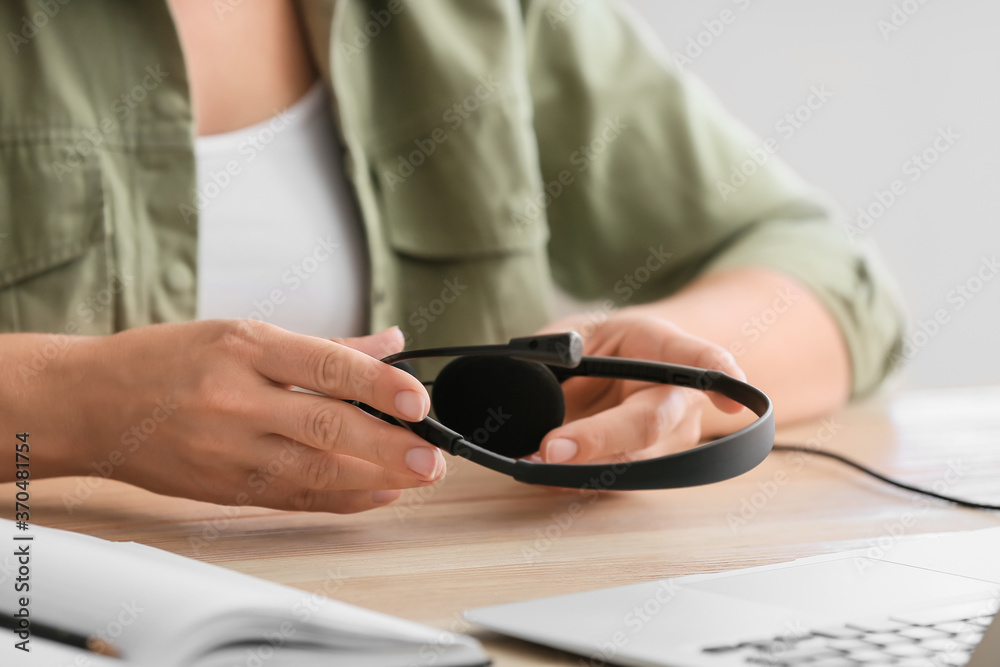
x=714, y=461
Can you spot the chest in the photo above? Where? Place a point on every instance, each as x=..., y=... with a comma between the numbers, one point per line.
x=245, y=62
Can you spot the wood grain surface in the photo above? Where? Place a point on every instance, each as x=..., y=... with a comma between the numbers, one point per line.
x=478, y=538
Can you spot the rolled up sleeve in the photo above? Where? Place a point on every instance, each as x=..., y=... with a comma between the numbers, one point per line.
x=681, y=172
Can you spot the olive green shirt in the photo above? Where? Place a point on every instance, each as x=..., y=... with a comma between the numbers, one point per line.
x=492, y=145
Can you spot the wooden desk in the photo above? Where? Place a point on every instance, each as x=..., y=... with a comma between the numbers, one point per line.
x=479, y=539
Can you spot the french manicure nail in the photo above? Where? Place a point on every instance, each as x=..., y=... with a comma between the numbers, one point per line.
x=423, y=461
x=560, y=450
x=385, y=496
x=411, y=405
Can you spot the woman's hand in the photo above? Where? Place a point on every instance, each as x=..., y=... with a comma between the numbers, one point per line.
x=205, y=410
x=615, y=420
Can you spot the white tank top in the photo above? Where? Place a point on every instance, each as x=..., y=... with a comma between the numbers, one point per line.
x=279, y=237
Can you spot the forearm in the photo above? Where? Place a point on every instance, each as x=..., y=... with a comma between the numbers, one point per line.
x=780, y=334
x=198, y=410
x=40, y=394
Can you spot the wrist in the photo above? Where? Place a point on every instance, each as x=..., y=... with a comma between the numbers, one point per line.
x=68, y=408
x=35, y=399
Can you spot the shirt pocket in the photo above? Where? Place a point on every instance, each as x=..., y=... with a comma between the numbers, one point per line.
x=461, y=191
x=56, y=255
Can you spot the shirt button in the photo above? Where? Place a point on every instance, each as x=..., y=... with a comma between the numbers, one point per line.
x=179, y=277
x=169, y=103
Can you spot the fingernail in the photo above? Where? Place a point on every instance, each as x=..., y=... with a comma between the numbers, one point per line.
x=392, y=341
x=385, y=496
x=424, y=461
x=411, y=405
x=560, y=450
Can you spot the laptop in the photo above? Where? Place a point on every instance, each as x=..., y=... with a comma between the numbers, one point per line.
x=925, y=601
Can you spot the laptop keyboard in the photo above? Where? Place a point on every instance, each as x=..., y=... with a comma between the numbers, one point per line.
x=944, y=637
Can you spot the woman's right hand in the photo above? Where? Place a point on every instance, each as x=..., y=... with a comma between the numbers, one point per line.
x=205, y=410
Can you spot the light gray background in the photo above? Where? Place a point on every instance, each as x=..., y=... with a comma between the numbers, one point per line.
x=940, y=69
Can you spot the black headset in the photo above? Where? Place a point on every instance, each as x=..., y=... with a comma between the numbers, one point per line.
x=507, y=397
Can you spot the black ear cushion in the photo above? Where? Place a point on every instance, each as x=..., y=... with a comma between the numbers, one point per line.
x=501, y=404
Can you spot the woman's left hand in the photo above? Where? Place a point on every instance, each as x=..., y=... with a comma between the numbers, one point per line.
x=615, y=420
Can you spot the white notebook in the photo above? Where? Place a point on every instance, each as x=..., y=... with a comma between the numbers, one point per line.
x=158, y=609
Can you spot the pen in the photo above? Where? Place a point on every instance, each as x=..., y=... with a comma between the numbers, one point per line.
x=93, y=644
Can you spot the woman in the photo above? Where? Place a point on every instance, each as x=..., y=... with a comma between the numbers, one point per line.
x=323, y=169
